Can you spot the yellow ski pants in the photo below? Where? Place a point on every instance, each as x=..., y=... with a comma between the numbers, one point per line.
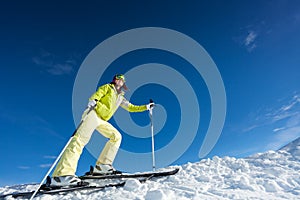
x=69, y=160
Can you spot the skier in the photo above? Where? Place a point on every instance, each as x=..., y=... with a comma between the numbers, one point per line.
x=105, y=102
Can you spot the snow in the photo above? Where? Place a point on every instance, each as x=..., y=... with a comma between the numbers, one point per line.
x=269, y=175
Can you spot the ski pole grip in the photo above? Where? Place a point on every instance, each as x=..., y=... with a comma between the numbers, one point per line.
x=151, y=101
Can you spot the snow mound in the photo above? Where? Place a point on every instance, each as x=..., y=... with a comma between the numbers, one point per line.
x=269, y=175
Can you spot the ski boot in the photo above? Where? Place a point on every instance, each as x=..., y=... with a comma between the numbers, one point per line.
x=63, y=181
x=103, y=169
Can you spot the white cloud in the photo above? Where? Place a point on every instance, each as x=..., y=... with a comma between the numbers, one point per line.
x=53, y=65
x=283, y=137
x=23, y=167
x=289, y=109
x=291, y=104
x=250, y=42
x=250, y=39
x=50, y=157
x=286, y=117
x=45, y=165
x=278, y=129
x=60, y=69
x=49, y=164
x=250, y=128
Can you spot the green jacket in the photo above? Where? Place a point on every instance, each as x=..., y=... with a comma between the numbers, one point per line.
x=108, y=101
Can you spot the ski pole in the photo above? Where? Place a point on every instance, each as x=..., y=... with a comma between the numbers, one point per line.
x=152, y=136
x=57, y=159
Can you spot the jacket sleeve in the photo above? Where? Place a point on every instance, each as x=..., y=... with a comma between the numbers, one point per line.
x=132, y=108
x=100, y=92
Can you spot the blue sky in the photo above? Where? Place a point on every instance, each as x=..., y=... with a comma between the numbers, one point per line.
x=254, y=44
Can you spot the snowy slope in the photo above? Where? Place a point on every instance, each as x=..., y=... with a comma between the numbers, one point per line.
x=293, y=148
x=269, y=175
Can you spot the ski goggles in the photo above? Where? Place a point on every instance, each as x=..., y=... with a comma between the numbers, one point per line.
x=120, y=76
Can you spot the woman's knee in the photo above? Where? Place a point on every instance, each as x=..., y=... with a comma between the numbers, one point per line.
x=117, y=137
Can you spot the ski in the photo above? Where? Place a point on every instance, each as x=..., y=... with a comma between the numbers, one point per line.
x=142, y=176
x=62, y=190
x=148, y=175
